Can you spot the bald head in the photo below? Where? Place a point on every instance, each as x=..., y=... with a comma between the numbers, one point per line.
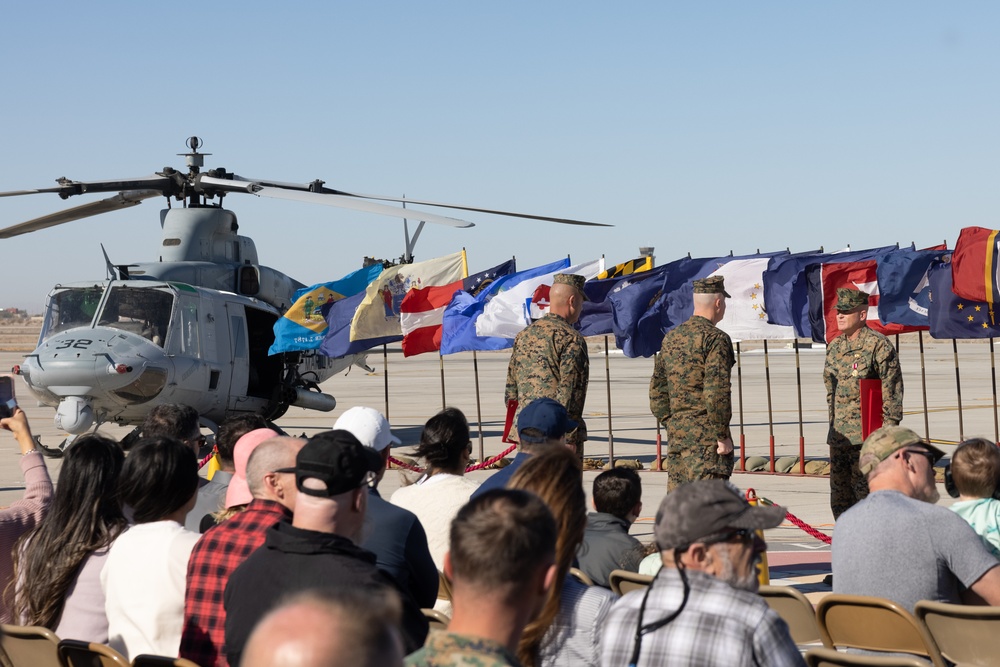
x=329, y=629
x=565, y=301
x=270, y=455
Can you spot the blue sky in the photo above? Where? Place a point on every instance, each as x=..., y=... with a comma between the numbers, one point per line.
x=692, y=127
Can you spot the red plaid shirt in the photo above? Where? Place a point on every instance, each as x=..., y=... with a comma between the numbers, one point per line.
x=220, y=551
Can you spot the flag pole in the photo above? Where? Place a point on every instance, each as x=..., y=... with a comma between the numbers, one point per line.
x=958, y=390
x=923, y=386
x=385, y=376
x=770, y=418
x=798, y=389
x=607, y=376
x=441, y=360
x=739, y=390
x=479, y=407
x=993, y=377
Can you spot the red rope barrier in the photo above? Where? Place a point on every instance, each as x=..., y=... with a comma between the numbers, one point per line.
x=799, y=523
x=479, y=466
x=204, y=461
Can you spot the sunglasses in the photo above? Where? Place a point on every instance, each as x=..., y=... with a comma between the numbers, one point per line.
x=743, y=535
x=931, y=456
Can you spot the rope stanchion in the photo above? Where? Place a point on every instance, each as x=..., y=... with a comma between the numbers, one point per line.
x=799, y=523
x=204, y=461
x=479, y=466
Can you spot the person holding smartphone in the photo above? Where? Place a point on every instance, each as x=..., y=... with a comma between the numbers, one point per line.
x=24, y=514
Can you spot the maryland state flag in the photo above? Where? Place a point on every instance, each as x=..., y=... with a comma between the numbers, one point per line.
x=974, y=266
x=627, y=268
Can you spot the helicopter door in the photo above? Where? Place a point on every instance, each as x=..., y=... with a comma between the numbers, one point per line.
x=240, y=356
x=265, y=371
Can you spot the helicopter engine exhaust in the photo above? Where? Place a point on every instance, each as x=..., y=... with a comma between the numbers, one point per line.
x=313, y=400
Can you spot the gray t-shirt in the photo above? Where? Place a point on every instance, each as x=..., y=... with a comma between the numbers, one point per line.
x=892, y=546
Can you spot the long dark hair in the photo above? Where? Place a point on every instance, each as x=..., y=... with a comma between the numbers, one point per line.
x=444, y=440
x=554, y=476
x=158, y=478
x=85, y=516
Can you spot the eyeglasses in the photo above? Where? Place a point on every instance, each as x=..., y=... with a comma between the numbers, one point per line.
x=285, y=470
x=737, y=535
x=931, y=456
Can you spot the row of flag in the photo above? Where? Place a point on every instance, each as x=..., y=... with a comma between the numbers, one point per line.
x=436, y=305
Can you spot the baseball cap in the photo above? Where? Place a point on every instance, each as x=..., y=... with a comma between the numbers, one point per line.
x=369, y=426
x=696, y=510
x=548, y=416
x=238, y=492
x=336, y=458
x=884, y=442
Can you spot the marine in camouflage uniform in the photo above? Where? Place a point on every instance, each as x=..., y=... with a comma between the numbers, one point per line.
x=858, y=353
x=690, y=392
x=550, y=360
x=447, y=649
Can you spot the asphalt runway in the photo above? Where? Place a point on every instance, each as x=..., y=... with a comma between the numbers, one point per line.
x=770, y=395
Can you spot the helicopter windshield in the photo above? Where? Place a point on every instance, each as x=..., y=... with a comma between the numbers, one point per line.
x=71, y=307
x=140, y=310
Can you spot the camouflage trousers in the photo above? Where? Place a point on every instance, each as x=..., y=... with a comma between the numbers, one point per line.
x=690, y=463
x=847, y=484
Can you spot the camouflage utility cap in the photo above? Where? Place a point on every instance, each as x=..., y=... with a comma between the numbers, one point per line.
x=711, y=285
x=886, y=441
x=572, y=280
x=850, y=299
x=697, y=510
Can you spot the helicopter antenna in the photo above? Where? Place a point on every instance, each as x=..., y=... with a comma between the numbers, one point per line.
x=195, y=160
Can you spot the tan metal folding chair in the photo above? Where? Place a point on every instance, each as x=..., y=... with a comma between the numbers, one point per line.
x=580, y=576
x=29, y=646
x=623, y=581
x=444, y=587
x=797, y=612
x=828, y=657
x=873, y=624
x=146, y=660
x=75, y=653
x=435, y=619
x=965, y=634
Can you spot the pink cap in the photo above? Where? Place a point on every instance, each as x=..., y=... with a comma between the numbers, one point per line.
x=238, y=492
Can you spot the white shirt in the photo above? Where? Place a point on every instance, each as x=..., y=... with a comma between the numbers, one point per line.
x=143, y=583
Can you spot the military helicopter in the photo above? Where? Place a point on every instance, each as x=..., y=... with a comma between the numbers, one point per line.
x=195, y=326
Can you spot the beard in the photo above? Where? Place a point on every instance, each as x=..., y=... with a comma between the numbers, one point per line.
x=747, y=581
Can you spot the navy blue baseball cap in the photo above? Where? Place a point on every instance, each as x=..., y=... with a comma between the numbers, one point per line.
x=548, y=416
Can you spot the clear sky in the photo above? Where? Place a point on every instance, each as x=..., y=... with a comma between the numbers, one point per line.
x=699, y=127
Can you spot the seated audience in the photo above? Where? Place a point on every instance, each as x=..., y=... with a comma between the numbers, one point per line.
x=395, y=535
x=318, y=549
x=974, y=478
x=898, y=523
x=271, y=497
x=326, y=628
x=501, y=566
x=443, y=489
x=144, y=577
x=212, y=496
x=58, y=564
x=543, y=423
x=702, y=608
x=607, y=546
x=24, y=514
x=567, y=631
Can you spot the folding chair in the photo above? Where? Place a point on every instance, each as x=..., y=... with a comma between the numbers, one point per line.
x=623, y=581
x=580, y=576
x=797, y=612
x=435, y=620
x=873, y=624
x=444, y=587
x=967, y=635
x=146, y=660
x=75, y=653
x=828, y=657
x=29, y=646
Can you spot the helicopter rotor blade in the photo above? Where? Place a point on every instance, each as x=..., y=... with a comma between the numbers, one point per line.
x=119, y=201
x=68, y=188
x=324, y=199
x=318, y=187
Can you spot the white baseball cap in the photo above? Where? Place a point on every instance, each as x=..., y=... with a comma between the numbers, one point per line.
x=369, y=426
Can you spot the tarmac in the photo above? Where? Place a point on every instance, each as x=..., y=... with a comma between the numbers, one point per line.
x=766, y=405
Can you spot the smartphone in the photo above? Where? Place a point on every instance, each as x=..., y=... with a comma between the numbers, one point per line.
x=7, y=400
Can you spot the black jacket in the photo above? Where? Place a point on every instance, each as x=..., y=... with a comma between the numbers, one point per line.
x=293, y=560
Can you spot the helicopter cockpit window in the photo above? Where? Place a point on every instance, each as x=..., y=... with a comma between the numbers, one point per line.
x=139, y=310
x=69, y=308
